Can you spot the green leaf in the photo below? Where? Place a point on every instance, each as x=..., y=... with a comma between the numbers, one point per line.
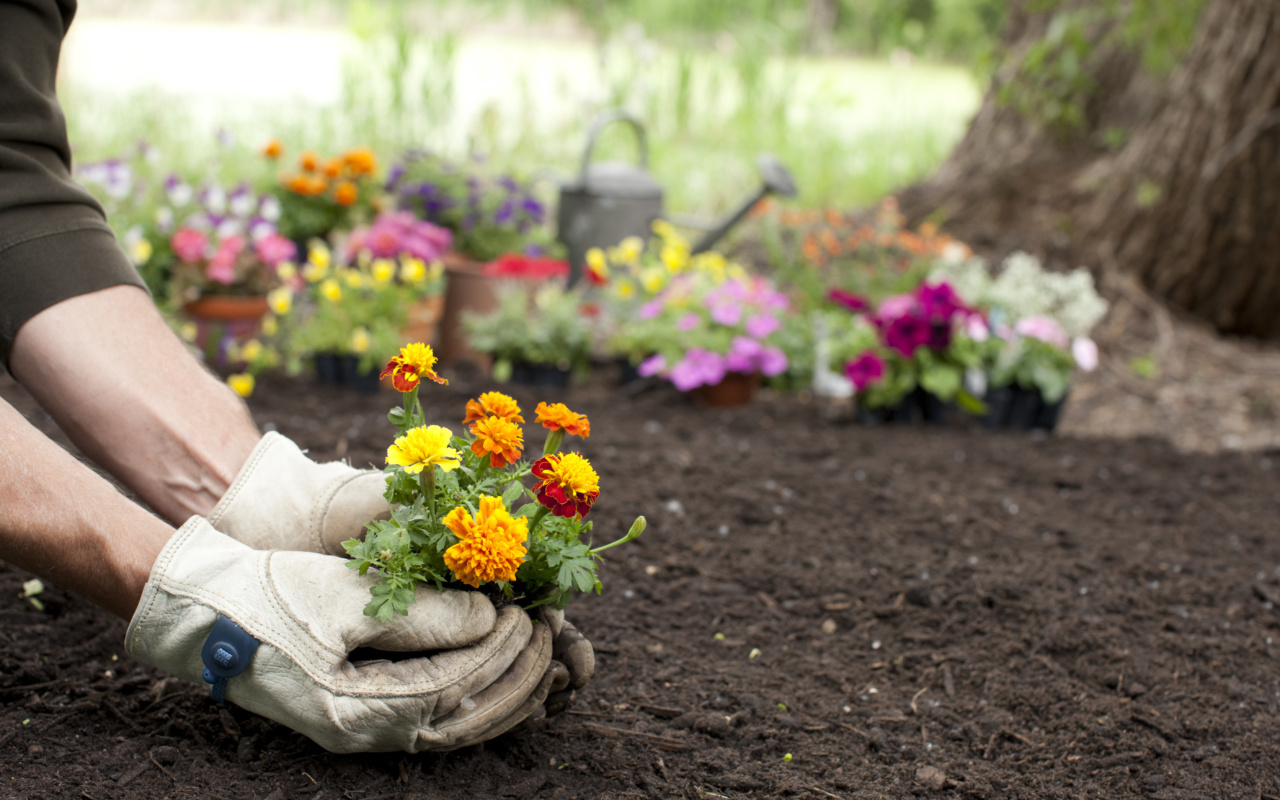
x=512, y=493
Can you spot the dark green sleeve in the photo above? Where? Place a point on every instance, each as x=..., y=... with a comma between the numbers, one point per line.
x=54, y=239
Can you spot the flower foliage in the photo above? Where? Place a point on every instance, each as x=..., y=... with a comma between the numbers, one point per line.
x=463, y=516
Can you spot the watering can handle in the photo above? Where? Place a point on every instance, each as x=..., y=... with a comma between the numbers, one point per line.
x=603, y=120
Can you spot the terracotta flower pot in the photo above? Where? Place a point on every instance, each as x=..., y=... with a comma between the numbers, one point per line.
x=424, y=320
x=468, y=290
x=221, y=321
x=736, y=389
x=227, y=309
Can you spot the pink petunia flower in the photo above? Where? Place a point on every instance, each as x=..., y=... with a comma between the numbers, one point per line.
x=865, y=370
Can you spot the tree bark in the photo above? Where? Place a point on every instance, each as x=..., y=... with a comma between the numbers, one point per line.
x=1190, y=203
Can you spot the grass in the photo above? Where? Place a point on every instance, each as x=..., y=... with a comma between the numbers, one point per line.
x=849, y=130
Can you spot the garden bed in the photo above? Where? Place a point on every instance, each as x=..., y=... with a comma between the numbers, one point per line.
x=905, y=611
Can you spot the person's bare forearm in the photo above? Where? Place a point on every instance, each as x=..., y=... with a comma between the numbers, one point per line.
x=63, y=522
x=108, y=369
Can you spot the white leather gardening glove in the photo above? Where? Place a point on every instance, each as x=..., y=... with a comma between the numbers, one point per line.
x=573, y=650
x=489, y=670
x=282, y=500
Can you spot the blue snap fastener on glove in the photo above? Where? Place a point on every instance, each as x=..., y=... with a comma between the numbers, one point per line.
x=226, y=653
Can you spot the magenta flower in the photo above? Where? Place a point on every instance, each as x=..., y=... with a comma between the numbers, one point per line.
x=773, y=361
x=652, y=365
x=726, y=312
x=274, y=249
x=893, y=307
x=906, y=333
x=865, y=370
x=650, y=309
x=855, y=303
x=189, y=245
x=762, y=325
x=222, y=266
x=395, y=233
x=744, y=355
x=699, y=367
x=689, y=322
x=938, y=300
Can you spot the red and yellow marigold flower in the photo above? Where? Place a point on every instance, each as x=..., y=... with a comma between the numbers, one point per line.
x=491, y=546
x=557, y=416
x=500, y=439
x=568, y=485
x=415, y=362
x=493, y=404
x=424, y=447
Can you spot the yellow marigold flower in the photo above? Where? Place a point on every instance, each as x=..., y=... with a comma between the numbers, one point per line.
x=319, y=255
x=384, y=270
x=412, y=270
x=559, y=417
x=280, y=300
x=331, y=289
x=251, y=351
x=360, y=341
x=653, y=280
x=189, y=331
x=493, y=404
x=241, y=383
x=423, y=447
x=491, y=546
x=630, y=248
x=568, y=485
x=141, y=251
x=415, y=362
x=270, y=325
x=675, y=257
x=286, y=271
x=500, y=439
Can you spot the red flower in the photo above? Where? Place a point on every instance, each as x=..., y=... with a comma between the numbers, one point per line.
x=568, y=486
x=515, y=265
x=415, y=362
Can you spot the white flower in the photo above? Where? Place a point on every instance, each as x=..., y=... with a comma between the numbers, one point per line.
x=180, y=194
x=270, y=208
x=164, y=219
x=242, y=204
x=215, y=199
x=230, y=227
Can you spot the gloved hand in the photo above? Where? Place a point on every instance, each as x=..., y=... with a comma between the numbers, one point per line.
x=492, y=669
x=282, y=500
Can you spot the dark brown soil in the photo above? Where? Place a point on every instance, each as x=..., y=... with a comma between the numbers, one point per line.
x=903, y=612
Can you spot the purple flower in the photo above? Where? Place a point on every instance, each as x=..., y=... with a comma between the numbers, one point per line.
x=773, y=361
x=893, y=307
x=726, y=312
x=533, y=209
x=853, y=302
x=689, y=321
x=744, y=355
x=651, y=309
x=698, y=368
x=761, y=325
x=505, y=213
x=393, y=177
x=939, y=300
x=865, y=370
x=652, y=365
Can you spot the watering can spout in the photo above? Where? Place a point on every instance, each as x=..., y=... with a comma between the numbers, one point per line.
x=774, y=179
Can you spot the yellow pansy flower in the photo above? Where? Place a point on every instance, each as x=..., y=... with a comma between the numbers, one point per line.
x=331, y=289
x=360, y=341
x=241, y=383
x=280, y=300
x=384, y=271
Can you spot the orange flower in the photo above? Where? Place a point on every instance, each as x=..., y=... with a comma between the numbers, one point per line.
x=345, y=193
x=360, y=161
x=273, y=149
x=501, y=439
x=811, y=249
x=568, y=486
x=491, y=546
x=928, y=230
x=309, y=161
x=306, y=185
x=829, y=241
x=415, y=362
x=333, y=168
x=834, y=217
x=493, y=404
x=559, y=417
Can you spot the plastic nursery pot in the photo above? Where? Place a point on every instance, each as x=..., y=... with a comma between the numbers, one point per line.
x=736, y=389
x=335, y=369
x=1021, y=409
x=467, y=290
x=628, y=373
x=914, y=408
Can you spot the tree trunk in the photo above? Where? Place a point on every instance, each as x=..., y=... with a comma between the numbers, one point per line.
x=1190, y=203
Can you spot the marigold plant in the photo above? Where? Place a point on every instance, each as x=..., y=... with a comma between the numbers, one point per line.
x=462, y=514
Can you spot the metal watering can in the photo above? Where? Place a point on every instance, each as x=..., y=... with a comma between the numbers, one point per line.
x=612, y=200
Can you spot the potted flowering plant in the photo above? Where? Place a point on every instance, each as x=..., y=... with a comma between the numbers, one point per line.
x=463, y=514
x=398, y=234
x=1040, y=325
x=322, y=195
x=908, y=356
x=539, y=333
x=348, y=318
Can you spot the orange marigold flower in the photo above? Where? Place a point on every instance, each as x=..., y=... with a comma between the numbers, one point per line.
x=360, y=161
x=345, y=192
x=491, y=546
x=415, y=362
x=493, y=404
x=309, y=161
x=273, y=149
x=830, y=241
x=307, y=185
x=500, y=439
x=333, y=168
x=568, y=486
x=811, y=249
x=834, y=217
x=559, y=417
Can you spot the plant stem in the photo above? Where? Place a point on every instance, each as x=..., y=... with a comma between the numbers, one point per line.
x=428, y=480
x=537, y=517
x=637, y=528
x=553, y=442
x=411, y=410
